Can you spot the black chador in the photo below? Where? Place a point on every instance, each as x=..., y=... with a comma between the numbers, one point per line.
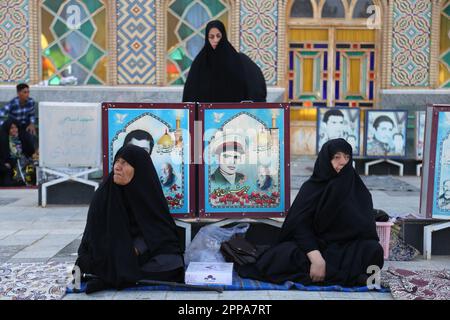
x=222, y=74
x=124, y=218
x=332, y=213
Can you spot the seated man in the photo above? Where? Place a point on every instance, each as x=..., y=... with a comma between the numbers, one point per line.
x=130, y=235
x=329, y=236
x=21, y=109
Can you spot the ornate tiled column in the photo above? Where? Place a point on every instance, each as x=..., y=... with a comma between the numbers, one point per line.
x=17, y=45
x=411, y=43
x=136, y=42
x=259, y=35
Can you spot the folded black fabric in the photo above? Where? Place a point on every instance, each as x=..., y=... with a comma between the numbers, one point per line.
x=240, y=251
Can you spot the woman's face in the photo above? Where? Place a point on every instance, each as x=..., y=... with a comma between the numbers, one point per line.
x=123, y=172
x=167, y=170
x=13, y=130
x=214, y=37
x=339, y=161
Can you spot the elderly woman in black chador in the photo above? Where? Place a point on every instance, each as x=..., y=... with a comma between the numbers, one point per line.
x=329, y=236
x=220, y=74
x=130, y=235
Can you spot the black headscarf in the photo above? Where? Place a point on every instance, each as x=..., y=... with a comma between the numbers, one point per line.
x=330, y=206
x=216, y=75
x=25, y=139
x=106, y=249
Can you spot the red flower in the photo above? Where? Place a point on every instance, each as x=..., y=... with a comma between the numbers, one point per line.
x=179, y=196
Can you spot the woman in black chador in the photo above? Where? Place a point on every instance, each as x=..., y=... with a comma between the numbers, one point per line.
x=329, y=236
x=220, y=74
x=16, y=150
x=130, y=235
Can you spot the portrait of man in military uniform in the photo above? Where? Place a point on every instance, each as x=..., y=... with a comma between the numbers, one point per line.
x=229, y=150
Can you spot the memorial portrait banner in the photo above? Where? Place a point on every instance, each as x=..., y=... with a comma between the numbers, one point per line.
x=245, y=170
x=165, y=131
x=385, y=133
x=334, y=123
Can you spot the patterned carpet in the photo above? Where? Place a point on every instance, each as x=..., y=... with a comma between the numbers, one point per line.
x=34, y=281
x=418, y=284
x=48, y=281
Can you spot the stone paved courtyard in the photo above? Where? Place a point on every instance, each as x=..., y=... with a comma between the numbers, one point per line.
x=29, y=233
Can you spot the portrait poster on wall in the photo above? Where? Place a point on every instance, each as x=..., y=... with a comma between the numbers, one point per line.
x=333, y=123
x=163, y=130
x=435, y=198
x=245, y=170
x=420, y=133
x=385, y=133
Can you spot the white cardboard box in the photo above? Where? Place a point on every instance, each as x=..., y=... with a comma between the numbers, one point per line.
x=202, y=273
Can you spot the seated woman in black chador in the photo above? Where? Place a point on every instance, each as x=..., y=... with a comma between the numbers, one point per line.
x=130, y=235
x=220, y=74
x=16, y=150
x=329, y=236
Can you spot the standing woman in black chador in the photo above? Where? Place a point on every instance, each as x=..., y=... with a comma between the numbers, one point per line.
x=329, y=236
x=130, y=235
x=220, y=74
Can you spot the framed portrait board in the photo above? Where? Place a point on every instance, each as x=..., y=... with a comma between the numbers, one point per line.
x=385, y=133
x=168, y=128
x=245, y=169
x=333, y=123
x=420, y=133
x=302, y=130
x=435, y=191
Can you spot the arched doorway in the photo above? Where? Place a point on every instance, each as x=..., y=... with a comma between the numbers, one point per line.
x=332, y=52
x=332, y=60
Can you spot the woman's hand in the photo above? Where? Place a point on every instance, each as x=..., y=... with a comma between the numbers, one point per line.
x=136, y=251
x=318, y=266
